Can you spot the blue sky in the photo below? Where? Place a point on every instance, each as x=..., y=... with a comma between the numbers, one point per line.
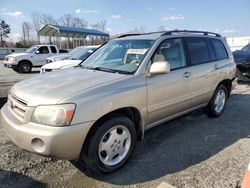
x=228, y=17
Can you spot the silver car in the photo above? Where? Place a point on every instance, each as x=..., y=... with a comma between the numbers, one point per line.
x=97, y=111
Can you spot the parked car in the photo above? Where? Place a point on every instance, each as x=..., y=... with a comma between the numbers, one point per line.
x=97, y=111
x=33, y=57
x=242, y=59
x=81, y=54
x=62, y=56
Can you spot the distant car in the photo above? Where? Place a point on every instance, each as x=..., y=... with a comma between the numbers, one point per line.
x=33, y=57
x=242, y=60
x=63, y=55
x=74, y=60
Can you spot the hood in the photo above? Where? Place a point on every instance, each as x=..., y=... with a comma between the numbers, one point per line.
x=240, y=56
x=60, y=64
x=53, y=87
x=18, y=54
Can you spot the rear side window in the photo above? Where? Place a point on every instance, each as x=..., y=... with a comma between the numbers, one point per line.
x=198, y=50
x=219, y=49
x=53, y=49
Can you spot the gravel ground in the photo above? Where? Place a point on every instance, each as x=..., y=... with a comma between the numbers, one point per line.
x=191, y=151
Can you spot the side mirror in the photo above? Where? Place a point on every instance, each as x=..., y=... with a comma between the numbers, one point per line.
x=37, y=52
x=159, y=67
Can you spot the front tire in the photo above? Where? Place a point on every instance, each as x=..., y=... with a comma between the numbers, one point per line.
x=218, y=102
x=111, y=145
x=24, y=67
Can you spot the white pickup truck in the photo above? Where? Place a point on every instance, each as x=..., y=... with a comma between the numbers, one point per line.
x=33, y=57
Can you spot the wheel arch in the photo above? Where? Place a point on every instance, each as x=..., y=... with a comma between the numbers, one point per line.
x=228, y=84
x=25, y=60
x=130, y=112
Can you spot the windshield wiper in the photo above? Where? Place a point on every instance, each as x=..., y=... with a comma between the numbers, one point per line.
x=107, y=70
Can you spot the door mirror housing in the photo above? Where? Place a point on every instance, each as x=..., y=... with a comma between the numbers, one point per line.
x=37, y=52
x=159, y=67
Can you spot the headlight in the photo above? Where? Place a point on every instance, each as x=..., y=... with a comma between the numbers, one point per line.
x=12, y=59
x=54, y=115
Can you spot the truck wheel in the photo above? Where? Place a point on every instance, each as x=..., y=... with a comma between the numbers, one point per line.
x=24, y=67
x=111, y=145
x=218, y=102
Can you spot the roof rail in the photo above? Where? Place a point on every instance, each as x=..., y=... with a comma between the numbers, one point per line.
x=190, y=31
x=129, y=34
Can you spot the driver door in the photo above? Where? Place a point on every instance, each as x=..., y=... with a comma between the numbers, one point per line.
x=169, y=94
x=40, y=56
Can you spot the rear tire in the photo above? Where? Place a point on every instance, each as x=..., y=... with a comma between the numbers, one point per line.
x=24, y=67
x=110, y=145
x=218, y=102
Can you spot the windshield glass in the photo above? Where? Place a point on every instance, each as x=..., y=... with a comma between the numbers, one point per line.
x=32, y=49
x=74, y=51
x=121, y=56
x=246, y=48
x=82, y=54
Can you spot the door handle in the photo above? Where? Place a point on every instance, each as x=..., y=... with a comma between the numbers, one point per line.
x=216, y=66
x=187, y=74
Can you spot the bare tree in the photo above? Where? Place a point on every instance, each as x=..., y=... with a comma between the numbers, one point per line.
x=48, y=19
x=37, y=23
x=101, y=26
x=26, y=28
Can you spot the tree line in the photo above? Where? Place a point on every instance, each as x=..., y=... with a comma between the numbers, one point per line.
x=30, y=29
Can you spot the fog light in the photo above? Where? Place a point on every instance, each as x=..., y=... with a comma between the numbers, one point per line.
x=38, y=145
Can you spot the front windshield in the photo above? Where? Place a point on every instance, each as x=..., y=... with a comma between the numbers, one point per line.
x=74, y=51
x=246, y=48
x=121, y=56
x=32, y=49
x=82, y=54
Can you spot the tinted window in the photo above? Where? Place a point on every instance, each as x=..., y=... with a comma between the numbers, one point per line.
x=43, y=50
x=219, y=49
x=198, y=50
x=53, y=49
x=171, y=50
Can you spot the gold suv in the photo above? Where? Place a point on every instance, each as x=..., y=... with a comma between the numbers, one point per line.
x=98, y=110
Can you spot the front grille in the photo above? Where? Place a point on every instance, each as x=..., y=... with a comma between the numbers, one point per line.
x=17, y=106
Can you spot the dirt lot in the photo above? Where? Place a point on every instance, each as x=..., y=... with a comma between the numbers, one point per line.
x=191, y=151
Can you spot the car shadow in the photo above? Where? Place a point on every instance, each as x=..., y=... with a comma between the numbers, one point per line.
x=181, y=143
x=10, y=179
x=3, y=100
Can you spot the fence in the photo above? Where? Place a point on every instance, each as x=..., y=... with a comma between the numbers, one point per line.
x=7, y=51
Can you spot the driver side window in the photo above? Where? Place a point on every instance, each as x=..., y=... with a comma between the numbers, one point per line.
x=43, y=50
x=172, y=51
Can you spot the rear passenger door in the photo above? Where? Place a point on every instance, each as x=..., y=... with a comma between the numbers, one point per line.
x=204, y=69
x=168, y=94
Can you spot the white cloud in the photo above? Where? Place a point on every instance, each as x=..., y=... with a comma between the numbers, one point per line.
x=90, y=11
x=78, y=11
x=149, y=8
x=230, y=31
x=172, y=9
x=15, y=36
x=109, y=29
x=173, y=17
x=227, y=31
x=2, y=9
x=14, y=14
x=116, y=17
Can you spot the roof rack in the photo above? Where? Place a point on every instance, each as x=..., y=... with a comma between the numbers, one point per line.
x=129, y=34
x=190, y=31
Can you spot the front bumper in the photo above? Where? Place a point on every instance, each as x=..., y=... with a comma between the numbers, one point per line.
x=58, y=142
x=9, y=64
